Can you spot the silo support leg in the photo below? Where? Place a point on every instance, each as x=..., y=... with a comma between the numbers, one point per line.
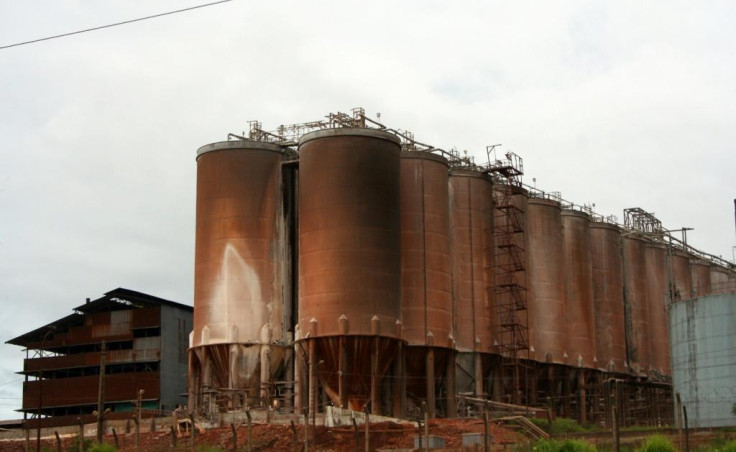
x=375, y=380
x=342, y=374
x=451, y=388
x=478, y=375
x=312, y=379
x=581, y=392
x=430, y=382
x=399, y=386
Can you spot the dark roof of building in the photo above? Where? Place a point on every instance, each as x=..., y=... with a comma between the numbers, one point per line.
x=120, y=298
x=115, y=300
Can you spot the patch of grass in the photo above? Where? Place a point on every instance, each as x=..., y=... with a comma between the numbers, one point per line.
x=657, y=443
x=102, y=447
x=569, y=445
x=729, y=446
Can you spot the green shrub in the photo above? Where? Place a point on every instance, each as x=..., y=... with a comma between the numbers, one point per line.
x=729, y=446
x=569, y=445
x=657, y=443
x=563, y=425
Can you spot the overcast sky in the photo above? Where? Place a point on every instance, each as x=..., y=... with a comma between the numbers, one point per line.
x=621, y=104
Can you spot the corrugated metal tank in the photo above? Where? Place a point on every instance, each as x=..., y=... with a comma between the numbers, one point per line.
x=608, y=290
x=240, y=262
x=349, y=262
x=349, y=231
x=426, y=280
x=548, y=330
x=636, y=303
x=471, y=223
x=656, y=273
x=700, y=274
x=579, y=288
x=681, y=277
x=704, y=358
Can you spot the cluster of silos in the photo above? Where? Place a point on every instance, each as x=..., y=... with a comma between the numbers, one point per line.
x=367, y=277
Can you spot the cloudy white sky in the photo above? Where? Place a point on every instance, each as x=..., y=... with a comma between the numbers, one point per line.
x=622, y=104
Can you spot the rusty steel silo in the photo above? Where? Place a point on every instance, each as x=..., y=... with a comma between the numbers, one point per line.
x=548, y=330
x=681, y=282
x=471, y=238
x=349, y=327
x=242, y=309
x=608, y=290
x=426, y=280
x=655, y=259
x=700, y=277
x=635, y=303
x=579, y=288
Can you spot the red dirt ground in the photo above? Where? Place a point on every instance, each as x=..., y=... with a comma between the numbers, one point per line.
x=274, y=437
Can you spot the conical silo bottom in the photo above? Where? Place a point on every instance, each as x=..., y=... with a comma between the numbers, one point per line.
x=231, y=376
x=354, y=371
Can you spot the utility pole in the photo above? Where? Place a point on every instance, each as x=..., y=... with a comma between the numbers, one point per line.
x=138, y=420
x=101, y=393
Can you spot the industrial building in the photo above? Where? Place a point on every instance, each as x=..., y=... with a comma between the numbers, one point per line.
x=341, y=262
x=136, y=341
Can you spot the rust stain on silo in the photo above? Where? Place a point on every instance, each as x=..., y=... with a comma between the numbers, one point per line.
x=635, y=302
x=656, y=273
x=426, y=299
x=700, y=276
x=681, y=276
x=548, y=331
x=608, y=298
x=471, y=219
x=238, y=293
x=579, y=288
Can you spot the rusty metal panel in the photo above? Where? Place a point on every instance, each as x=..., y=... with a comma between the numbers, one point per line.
x=146, y=317
x=579, y=288
x=548, y=332
x=655, y=256
x=681, y=276
x=718, y=278
x=700, y=277
x=238, y=296
x=471, y=220
x=349, y=233
x=608, y=296
x=83, y=390
x=635, y=302
x=426, y=299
